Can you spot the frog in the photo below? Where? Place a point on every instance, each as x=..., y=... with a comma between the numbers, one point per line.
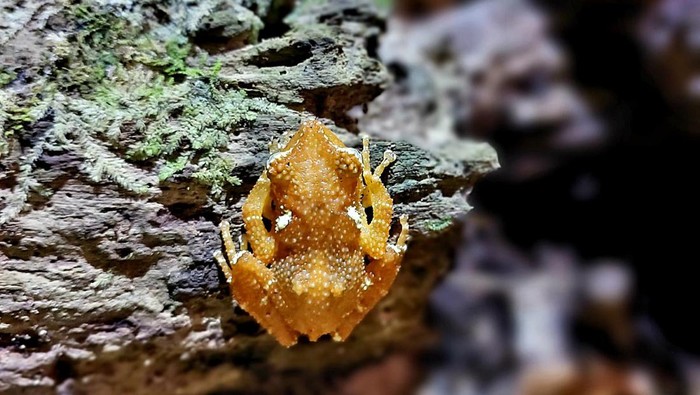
x=313, y=261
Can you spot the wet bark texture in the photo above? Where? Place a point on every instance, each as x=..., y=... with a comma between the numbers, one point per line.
x=107, y=282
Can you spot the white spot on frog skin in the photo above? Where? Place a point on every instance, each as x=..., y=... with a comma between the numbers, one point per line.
x=301, y=282
x=276, y=156
x=397, y=249
x=367, y=283
x=283, y=220
x=352, y=151
x=238, y=256
x=355, y=216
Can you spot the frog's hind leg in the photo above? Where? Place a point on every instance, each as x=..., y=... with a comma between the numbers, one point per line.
x=380, y=275
x=373, y=235
x=255, y=289
x=252, y=285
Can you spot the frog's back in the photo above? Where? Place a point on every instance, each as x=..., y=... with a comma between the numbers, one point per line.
x=318, y=288
x=315, y=187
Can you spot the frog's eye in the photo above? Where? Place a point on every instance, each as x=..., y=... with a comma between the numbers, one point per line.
x=279, y=169
x=275, y=159
x=349, y=161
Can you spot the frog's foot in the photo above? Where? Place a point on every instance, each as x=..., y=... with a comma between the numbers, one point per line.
x=374, y=233
x=389, y=158
x=400, y=247
x=229, y=248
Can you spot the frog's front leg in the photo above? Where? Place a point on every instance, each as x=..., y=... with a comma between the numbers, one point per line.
x=254, y=287
x=373, y=235
x=379, y=276
x=257, y=205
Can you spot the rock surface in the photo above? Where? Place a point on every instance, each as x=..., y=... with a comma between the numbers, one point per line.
x=458, y=72
x=129, y=130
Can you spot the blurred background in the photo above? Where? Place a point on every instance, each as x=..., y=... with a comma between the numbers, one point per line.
x=573, y=275
x=575, y=272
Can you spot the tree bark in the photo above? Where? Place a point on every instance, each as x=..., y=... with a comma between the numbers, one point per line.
x=116, y=167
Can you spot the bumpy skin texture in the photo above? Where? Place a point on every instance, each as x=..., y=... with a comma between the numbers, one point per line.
x=322, y=266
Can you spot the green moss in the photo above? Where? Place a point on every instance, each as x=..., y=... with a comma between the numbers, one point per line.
x=6, y=76
x=111, y=77
x=172, y=59
x=170, y=168
x=87, y=56
x=16, y=114
x=104, y=40
x=439, y=225
x=215, y=171
x=4, y=135
x=199, y=135
x=109, y=62
x=19, y=115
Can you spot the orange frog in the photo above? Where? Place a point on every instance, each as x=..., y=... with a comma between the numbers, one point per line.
x=322, y=265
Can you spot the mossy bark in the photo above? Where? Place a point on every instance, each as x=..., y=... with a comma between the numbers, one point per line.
x=129, y=130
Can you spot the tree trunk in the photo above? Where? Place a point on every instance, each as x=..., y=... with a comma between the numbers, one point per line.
x=129, y=130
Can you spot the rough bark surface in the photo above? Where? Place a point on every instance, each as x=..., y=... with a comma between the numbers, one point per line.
x=107, y=282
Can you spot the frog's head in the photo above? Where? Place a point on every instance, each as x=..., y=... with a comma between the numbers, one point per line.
x=315, y=172
x=313, y=151
x=312, y=136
